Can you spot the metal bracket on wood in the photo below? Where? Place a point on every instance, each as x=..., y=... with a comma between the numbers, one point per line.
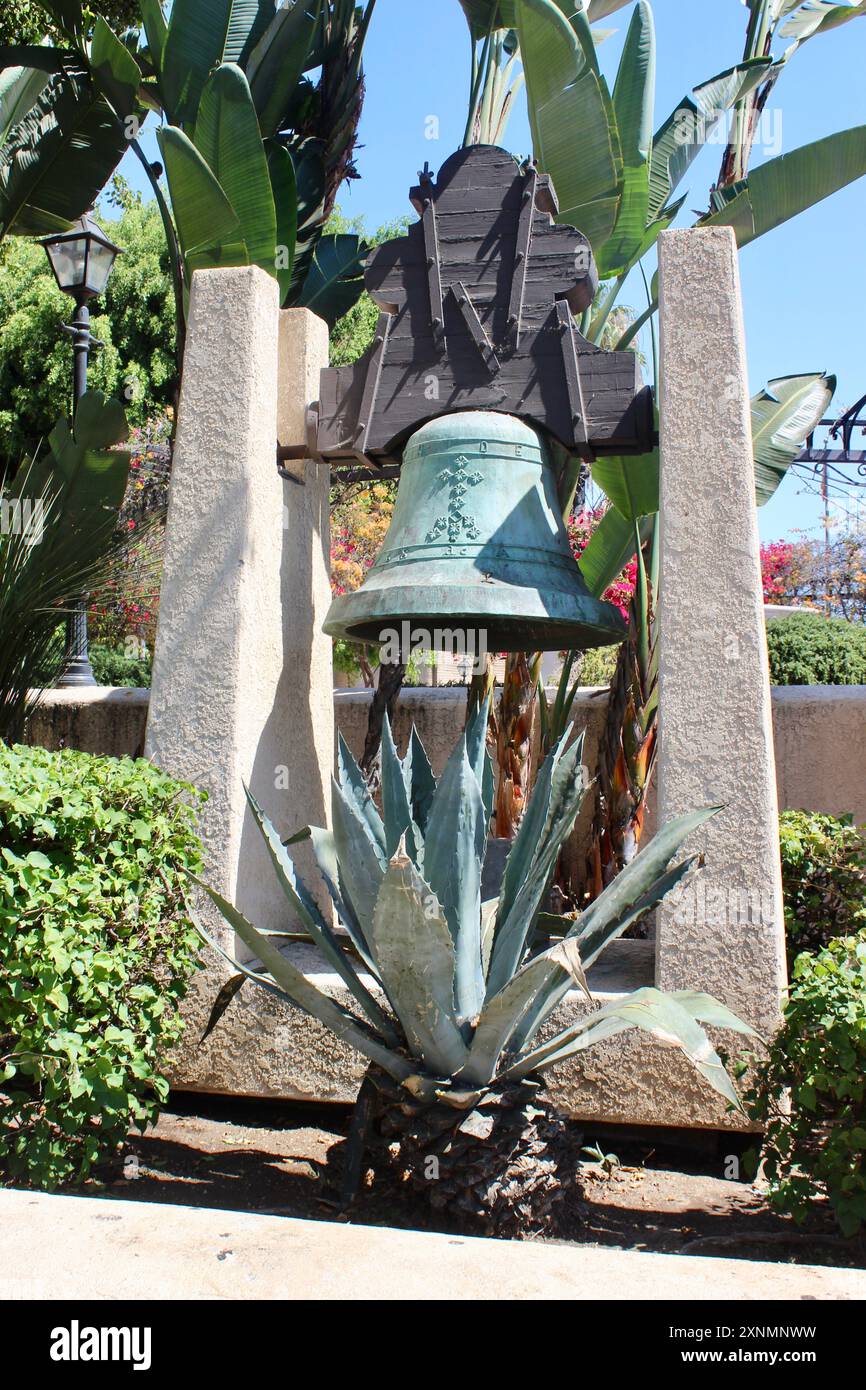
x=521, y=256
x=469, y=314
x=434, y=275
x=571, y=368
x=371, y=387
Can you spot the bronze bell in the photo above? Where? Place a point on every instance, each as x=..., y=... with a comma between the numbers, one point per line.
x=477, y=556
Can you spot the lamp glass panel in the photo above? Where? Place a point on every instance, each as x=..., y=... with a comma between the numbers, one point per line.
x=69, y=261
x=99, y=263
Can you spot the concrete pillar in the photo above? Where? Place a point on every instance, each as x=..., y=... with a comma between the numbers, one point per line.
x=242, y=688
x=725, y=931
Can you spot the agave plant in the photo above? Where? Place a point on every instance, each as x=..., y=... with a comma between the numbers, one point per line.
x=450, y=994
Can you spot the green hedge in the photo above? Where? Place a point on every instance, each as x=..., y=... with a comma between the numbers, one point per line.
x=817, y=1146
x=96, y=950
x=112, y=666
x=824, y=878
x=807, y=649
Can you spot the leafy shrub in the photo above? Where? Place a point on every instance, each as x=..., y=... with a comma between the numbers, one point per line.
x=824, y=878
x=597, y=666
x=111, y=666
x=807, y=649
x=96, y=950
x=818, y=1146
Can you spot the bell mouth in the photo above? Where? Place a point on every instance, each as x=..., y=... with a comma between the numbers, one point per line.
x=482, y=623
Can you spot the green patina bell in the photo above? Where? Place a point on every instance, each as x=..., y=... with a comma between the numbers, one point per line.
x=477, y=557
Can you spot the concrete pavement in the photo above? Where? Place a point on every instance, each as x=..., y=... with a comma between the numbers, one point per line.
x=54, y=1247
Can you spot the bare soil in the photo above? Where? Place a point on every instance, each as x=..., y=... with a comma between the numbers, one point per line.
x=669, y=1191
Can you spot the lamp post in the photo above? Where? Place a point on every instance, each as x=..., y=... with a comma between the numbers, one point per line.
x=81, y=259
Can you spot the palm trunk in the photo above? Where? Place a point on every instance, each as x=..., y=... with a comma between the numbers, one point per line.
x=513, y=730
x=628, y=747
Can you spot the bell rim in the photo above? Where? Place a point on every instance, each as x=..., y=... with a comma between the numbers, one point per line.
x=581, y=620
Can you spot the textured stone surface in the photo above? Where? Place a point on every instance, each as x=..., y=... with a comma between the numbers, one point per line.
x=108, y=720
x=241, y=679
x=77, y=1248
x=724, y=931
x=820, y=735
x=630, y=1079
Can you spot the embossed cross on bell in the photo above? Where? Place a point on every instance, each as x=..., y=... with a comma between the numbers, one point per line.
x=477, y=551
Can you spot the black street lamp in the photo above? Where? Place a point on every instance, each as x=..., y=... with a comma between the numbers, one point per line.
x=81, y=260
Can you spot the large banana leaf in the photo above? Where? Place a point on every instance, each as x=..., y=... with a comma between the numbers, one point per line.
x=208, y=227
x=684, y=134
x=600, y=9
x=415, y=954
x=58, y=158
x=482, y=15
x=155, y=30
x=782, y=188
x=502, y=14
x=248, y=20
x=630, y=482
x=19, y=88
x=335, y=279
x=610, y=547
x=633, y=104
x=279, y=60
x=68, y=14
x=817, y=17
x=194, y=45
x=114, y=69
x=227, y=136
x=91, y=474
x=284, y=189
x=574, y=134
x=784, y=413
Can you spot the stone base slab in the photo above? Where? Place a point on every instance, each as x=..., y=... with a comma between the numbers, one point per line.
x=630, y=1079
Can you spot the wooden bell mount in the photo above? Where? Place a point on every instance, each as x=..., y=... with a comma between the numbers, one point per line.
x=477, y=314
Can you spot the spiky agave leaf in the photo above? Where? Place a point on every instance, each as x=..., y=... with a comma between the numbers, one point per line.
x=453, y=857
x=291, y=984
x=396, y=803
x=513, y=1015
x=325, y=851
x=549, y=825
x=415, y=954
x=420, y=782
x=306, y=908
x=663, y=1015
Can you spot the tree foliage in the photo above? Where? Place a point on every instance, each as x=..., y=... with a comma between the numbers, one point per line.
x=26, y=21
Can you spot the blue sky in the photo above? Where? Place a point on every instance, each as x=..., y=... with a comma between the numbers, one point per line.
x=804, y=285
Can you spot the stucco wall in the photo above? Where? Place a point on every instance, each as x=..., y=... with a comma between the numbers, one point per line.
x=820, y=732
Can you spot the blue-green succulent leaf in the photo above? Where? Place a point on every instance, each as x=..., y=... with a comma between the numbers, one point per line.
x=454, y=852
x=414, y=951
